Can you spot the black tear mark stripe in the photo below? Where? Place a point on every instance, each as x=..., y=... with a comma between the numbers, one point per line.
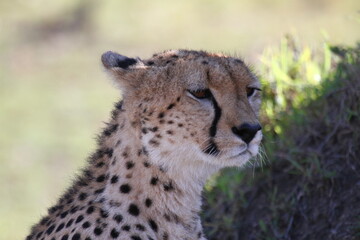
x=212, y=148
x=217, y=109
x=217, y=116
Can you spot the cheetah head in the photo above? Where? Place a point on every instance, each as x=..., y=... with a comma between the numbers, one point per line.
x=190, y=107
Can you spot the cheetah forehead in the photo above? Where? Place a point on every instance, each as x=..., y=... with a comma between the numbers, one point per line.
x=199, y=68
x=169, y=56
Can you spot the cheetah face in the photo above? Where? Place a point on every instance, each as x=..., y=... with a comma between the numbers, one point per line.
x=191, y=106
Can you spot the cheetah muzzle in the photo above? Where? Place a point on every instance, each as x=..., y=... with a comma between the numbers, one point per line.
x=183, y=116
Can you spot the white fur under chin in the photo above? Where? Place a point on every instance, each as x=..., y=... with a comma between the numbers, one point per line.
x=184, y=163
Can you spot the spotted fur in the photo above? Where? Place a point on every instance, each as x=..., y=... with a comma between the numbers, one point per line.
x=145, y=180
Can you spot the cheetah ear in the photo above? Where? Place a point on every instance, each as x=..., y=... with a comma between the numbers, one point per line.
x=112, y=60
x=126, y=71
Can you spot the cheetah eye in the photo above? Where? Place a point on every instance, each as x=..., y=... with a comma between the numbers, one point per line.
x=201, y=93
x=251, y=90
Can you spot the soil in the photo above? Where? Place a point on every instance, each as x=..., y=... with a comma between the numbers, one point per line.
x=308, y=191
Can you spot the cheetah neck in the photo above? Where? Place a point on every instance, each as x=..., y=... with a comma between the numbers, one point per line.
x=131, y=176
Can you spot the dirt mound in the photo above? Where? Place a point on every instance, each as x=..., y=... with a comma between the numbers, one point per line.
x=311, y=190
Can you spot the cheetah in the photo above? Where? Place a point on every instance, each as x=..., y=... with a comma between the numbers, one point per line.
x=183, y=116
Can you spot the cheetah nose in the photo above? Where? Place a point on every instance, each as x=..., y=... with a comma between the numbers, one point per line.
x=246, y=131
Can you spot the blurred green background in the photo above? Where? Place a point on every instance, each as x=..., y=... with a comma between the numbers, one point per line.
x=54, y=94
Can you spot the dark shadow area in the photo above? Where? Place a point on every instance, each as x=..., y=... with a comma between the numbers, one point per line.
x=311, y=188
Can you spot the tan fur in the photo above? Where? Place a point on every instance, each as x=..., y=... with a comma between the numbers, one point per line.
x=155, y=145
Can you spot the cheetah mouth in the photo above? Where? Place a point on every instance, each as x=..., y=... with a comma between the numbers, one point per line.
x=249, y=150
x=237, y=151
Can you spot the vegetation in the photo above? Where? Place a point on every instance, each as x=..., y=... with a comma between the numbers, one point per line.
x=310, y=186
